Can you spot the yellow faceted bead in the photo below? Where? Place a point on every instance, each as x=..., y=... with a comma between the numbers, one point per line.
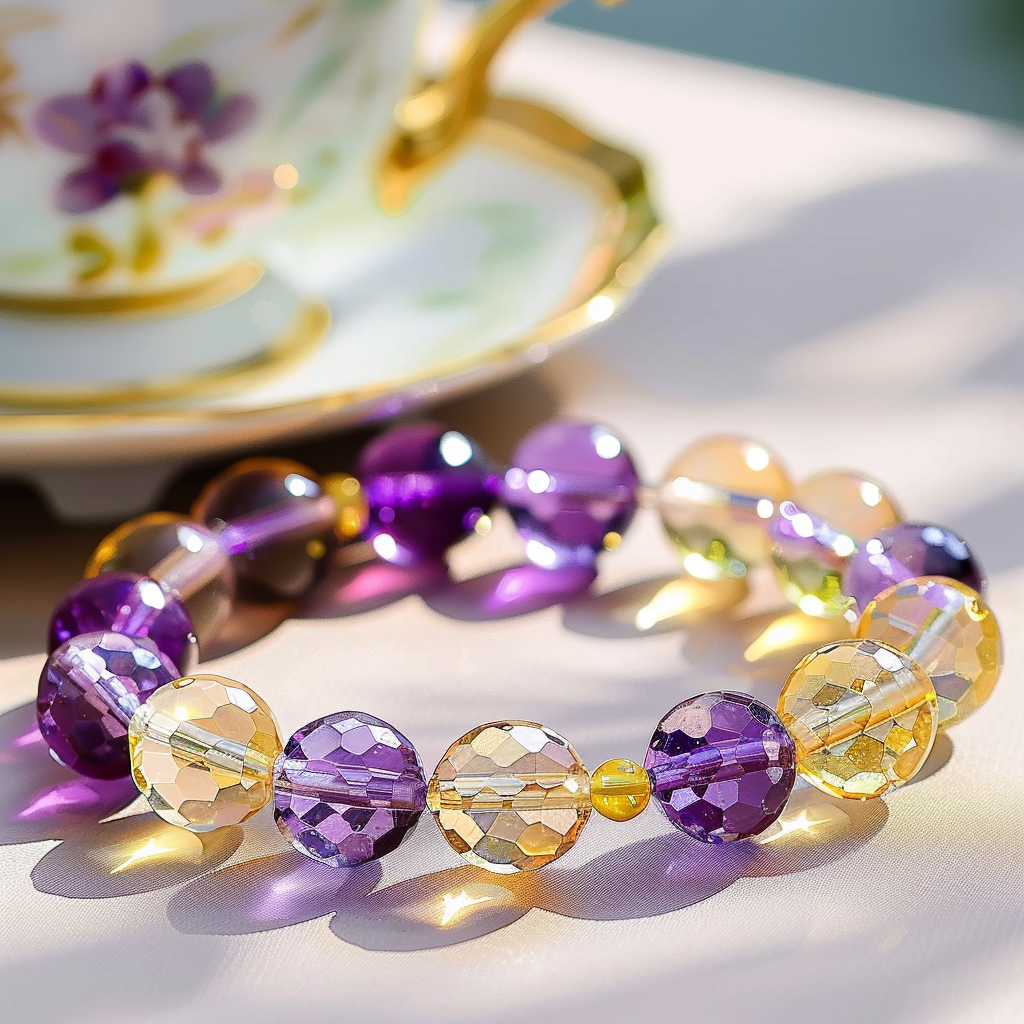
x=348, y=495
x=715, y=502
x=512, y=796
x=816, y=530
x=949, y=631
x=863, y=717
x=202, y=752
x=619, y=789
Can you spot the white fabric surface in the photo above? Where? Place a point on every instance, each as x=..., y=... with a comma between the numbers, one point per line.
x=848, y=286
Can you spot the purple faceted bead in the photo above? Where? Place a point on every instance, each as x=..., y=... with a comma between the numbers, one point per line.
x=130, y=604
x=88, y=692
x=722, y=766
x=426, y=488
x=347, y=789
x=905, y=551
x=571, y=490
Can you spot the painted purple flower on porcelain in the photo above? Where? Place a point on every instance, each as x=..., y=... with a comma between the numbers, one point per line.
x=133, y=124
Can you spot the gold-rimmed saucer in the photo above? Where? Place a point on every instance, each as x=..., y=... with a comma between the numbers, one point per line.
x=537, y=232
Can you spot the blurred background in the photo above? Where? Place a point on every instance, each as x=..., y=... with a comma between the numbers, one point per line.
x=966, y=54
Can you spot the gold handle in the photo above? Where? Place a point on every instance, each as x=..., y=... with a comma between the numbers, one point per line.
x=432, y=122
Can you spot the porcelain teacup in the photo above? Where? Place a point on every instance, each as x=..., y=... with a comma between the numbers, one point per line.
x=150, y=149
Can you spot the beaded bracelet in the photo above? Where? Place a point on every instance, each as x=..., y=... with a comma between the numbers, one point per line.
x=856, y=718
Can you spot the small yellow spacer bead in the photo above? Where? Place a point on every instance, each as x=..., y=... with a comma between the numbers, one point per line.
x=619, y=789
x=350, y=498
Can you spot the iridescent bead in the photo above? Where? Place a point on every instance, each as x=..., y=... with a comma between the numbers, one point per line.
x=347, y=789
x=715, y=501
x=863, y=717
x=512, y=796
x=184, y=556
x=949, y=631
x=202, y=752
x=426, y=488
x=275, y=520
x=571, y=490
x=352, y=513
x=125, y=602
x=619, y=789
x=722, y=766
x=89, y=690
x=816, y=531
x=905, y=551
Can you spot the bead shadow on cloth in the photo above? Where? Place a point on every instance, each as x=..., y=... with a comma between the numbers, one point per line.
x=352, y=589
x=41, y=800
x=132, y=855
x=96, y=859
x=507, y=593
x=652, y=607
x=655, y=876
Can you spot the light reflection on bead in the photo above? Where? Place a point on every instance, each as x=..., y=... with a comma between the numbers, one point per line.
x=511, y=796
x=863, y=717
x=352, y=513
x=130, y=604
x=905, y=551
x=89, y=690
x=721, y=766
x=619, y=789
x=276, y=522
x=426, y=488
x=715, y=501
x=571, y=489
x=185, y=556
x=816, y=531
x=203, y=751
x=949, y=631
x=347, y=789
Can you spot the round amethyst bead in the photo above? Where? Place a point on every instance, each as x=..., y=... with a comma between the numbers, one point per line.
x=347, y=789
x=905, y=551
x=89, y=690
x=426, y=488
x=127, y=603
x=722, y=766
x=571, y=490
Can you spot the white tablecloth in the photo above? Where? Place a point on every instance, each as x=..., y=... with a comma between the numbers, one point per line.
x=848, y=286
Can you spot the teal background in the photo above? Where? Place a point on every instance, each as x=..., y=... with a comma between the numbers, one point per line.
x=966, y=54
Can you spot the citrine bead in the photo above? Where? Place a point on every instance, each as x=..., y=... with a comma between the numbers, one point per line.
x=202, y=752
x=619, y=789
x=715, y=503
x=863, y=717
x=511, y=796
x=816, y=530
x=949, y=631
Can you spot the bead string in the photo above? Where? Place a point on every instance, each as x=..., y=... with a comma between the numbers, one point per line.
x=856, y=718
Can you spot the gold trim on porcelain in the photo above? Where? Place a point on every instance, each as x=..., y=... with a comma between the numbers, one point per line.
x=628, y=244
x=189, y=297
x=294, y=344
x=434, y=121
